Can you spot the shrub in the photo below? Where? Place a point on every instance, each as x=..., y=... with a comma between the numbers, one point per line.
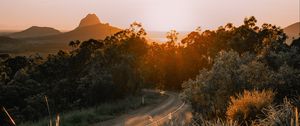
x=256, y=74
x=283, y=115
x=245, y=107
x=211, y=89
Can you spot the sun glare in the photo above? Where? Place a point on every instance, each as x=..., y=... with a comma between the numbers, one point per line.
x=167, y=15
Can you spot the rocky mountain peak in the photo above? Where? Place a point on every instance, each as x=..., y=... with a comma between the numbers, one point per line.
x=90, y=19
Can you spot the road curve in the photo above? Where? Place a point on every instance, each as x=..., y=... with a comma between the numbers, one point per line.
x=151, y=115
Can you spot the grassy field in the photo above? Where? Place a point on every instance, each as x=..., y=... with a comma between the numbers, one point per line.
x=101, y=112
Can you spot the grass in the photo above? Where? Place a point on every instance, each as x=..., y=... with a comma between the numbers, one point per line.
x=284, y=114
x=248, y=105
x=101, y=112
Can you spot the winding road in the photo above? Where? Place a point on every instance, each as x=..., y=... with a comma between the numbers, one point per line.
x=171, y=108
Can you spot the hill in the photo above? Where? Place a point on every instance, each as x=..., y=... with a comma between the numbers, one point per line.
x=292, y=31
x=47, y=40
x=8, y=44
x=90, y=19
x=35, y=31
x=89, y=27
x=97, y=31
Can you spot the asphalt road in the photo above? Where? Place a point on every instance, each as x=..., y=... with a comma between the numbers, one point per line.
x=153, y=115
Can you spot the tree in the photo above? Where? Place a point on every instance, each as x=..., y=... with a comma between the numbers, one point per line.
x=74, y=44
x=172, y=36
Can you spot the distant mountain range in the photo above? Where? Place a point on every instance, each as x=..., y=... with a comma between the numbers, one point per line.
x=89, y=27
x=46, y=39
x=292, y=31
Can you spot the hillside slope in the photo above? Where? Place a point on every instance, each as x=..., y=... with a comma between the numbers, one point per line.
x=292, y=31
x=35, y=31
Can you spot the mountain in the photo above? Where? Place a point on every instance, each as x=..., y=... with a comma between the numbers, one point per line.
x=35, y=31
x=45, y=40
x=5, y=39
x=89, y=27
x=7, y=44
x=90, y=19
x=292, y=31
x=97, y=31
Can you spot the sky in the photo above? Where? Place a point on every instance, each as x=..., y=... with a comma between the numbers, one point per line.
x=155, y=15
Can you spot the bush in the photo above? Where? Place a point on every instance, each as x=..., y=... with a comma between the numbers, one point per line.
x=245, y=107
x=284, y=115
x=256, y=74
x=231, y=74
x=211, y=89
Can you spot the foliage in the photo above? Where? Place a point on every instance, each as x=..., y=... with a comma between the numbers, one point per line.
x=101, y=112
x=95, y=71
x=257, y=59
x=231, y=74
x=169, y=64
x=285, y=114
x=247, y=106
x=212, y=88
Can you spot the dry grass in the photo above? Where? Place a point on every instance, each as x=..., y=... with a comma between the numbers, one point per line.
x=281, y=115
x=285, y=114
x=246, y=106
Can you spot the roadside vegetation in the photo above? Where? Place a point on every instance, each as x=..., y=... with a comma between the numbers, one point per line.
x=248, y=85
x=102, y=112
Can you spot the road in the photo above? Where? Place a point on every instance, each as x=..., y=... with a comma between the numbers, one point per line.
x=171, y=108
